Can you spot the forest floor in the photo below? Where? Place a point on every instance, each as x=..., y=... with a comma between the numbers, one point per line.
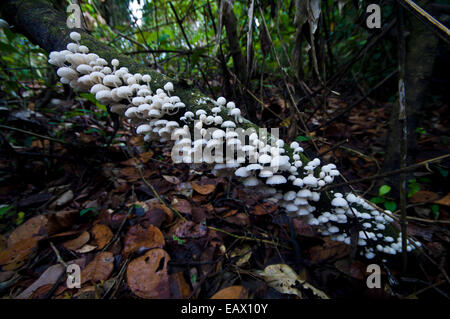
x=139, y=226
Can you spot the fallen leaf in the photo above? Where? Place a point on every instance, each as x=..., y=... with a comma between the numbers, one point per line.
x=423, y=196
x=48, y=277
x=190, y=229
x=203, y=189
x=98, y=269
x=19, y=251
x=147, y=275
x=102, y=235
x=78, y=242
x=138, y=238
x=64, y=198
x=85, y=249
x=263, y=209
x=284, y=279
x=33, y=226
x=232, y=292
x=179, y=288
x=171, y=179
x=243, y=253
x=444, y=200
x=356, y=270
x=330, y=250
x=6, y=275
x=182, y=205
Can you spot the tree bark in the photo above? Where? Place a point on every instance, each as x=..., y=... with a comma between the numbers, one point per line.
x=421, y=45
x=231, y=26
x=45, y=26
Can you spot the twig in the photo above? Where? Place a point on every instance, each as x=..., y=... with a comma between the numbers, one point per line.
x=391, y=173
x=59, y=258
x=32, y=134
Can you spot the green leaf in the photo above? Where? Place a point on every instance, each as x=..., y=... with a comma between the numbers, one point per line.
x=20, y=218
x=412, y=189
x=84, y=211
x=384, y=190
x=303, y=138
x=444, y=172
x=377, y=200
x=435, y=211
x=390, y=205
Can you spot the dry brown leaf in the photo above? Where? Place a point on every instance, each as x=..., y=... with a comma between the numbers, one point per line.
x=179, y=288
x=98, y=269
x=147, y=275
x=243, y=253
x=284, y=279
x=171, y=179
x=423, y=196
x=85, y=249
x=232, y=292
x=444, y=200
x=203, y=189
x=263, y=209
x=330, y=250
x=19, y=252
x=48, y=277
x=182, y=205
x=78, y=242
x=34, y=226
x=3, y=242
x=102, y=235
x=138, y=237
x=188, y=229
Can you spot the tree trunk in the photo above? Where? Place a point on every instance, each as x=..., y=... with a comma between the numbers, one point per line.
x=421, y=45
x=231, y=26
x=45, y=26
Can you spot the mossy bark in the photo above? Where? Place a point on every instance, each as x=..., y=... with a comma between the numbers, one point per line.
x=45, y=26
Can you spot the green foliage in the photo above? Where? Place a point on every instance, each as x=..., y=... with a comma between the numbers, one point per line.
x=381, y=199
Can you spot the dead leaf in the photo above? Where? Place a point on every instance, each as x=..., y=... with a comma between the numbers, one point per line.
x=147, y=275
x=102, y=235
x=48, y=277
x=171, y=179
x=78, y=242
x=182, y=205
x=34, y=226
x=232, y=292
x=284, y=279
x=64, y=198
x=85, y=249
x=423, y=196
x=189, y=229
x=203, y=189
x=179, y=288
x=19, y=251
x=263, y=209
x=356, y=270
x=330, y=250
x=98, y=269
x=138, y=238
x=444, y=200
x=243, y=253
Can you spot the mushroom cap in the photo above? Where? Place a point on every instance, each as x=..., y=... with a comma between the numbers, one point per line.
x=143, y=128
x=228, y=124
x=339, y=202
x=289, y=196
x=265, y=173
x=254, y=167
x=75, y=36
x=218, y=134
x=250, y=181
x=304, y=193
x=168, y=86
x=264, y=159
x=242, y=172
x=221, y=100
x=310, y=180
x=112, y=80
x=276, y=179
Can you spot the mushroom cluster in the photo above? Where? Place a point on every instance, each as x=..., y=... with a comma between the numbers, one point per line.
x=260, y=161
